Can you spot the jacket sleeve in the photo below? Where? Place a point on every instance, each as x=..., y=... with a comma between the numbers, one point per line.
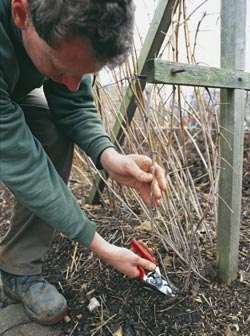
x=27, y=171
x=77, y=114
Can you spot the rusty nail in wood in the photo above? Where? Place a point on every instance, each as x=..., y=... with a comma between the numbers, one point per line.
x=177, y=70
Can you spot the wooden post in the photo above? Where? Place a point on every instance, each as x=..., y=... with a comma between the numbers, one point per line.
x=233, y=40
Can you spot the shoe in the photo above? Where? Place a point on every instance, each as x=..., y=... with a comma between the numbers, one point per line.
x=41, y=300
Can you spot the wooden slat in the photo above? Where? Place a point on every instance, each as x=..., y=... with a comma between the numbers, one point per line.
x=160, y=71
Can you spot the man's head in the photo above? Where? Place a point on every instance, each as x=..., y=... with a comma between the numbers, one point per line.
x=66, y=39
x=108, y=24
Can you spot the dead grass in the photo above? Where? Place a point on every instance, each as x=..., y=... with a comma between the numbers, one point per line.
x=168, y=126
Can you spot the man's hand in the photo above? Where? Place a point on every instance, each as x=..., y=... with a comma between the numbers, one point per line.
x=135, y=171
x=124, y=260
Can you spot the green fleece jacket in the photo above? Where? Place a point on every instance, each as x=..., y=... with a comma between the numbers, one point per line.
x=24, y=166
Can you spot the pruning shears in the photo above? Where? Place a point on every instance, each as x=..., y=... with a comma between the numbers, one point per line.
x=154, y=278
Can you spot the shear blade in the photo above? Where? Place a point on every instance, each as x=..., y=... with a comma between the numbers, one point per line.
x=166, y=289
x=155, y=280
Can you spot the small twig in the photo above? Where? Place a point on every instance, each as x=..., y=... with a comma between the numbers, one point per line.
x=74, y=329
x=155, y=317
x=73, y=262
x=145, y=325
x=101, y=326
x=152, y=196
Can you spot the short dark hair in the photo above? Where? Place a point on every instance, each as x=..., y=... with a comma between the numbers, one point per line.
x=108, y=24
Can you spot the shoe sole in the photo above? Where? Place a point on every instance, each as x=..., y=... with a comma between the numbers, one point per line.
x=47, y=322
x=31, y=314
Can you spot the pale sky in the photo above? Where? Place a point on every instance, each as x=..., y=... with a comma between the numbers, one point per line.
x=208, y=46
x=207, y=50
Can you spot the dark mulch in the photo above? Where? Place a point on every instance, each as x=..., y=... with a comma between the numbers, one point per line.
x=127, y=307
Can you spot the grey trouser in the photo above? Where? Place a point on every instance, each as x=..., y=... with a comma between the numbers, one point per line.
x=23, y=248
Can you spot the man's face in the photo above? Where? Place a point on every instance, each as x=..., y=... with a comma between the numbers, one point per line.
x=66, y=65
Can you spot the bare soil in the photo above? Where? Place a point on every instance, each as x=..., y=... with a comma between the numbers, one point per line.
x=127, y=306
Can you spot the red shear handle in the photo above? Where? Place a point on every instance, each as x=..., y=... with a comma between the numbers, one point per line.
x=143, y=251
x=142, y=272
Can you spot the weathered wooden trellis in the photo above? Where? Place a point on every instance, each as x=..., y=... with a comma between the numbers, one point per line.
x=233, y=81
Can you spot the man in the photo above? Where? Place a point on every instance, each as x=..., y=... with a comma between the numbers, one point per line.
x=55, y=45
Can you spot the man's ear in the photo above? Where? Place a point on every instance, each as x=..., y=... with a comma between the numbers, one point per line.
x=20, y=13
